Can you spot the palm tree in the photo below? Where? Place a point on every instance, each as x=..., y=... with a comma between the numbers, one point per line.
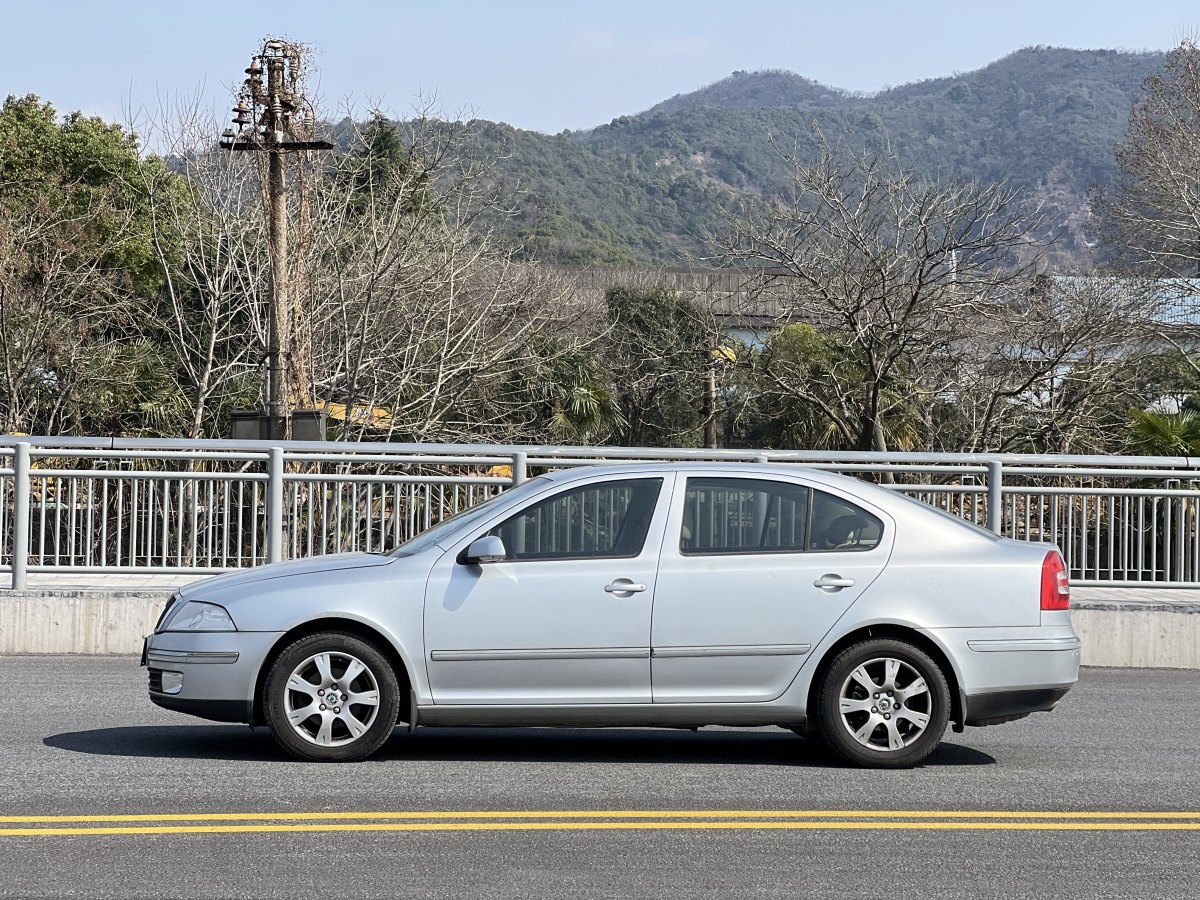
x=1166, y=434
x=584, y=409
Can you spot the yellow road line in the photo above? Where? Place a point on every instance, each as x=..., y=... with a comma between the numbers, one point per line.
x=649, y=825
x=597, y=814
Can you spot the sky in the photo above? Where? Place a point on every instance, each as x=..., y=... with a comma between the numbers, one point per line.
x=535, y=64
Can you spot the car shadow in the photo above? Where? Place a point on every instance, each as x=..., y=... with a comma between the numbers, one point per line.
x=224, y=742
x=759, y=746
x=553, y=745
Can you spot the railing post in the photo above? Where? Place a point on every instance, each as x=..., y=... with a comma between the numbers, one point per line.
x=520, y=467
x=995, y=496
x=274, y=504
x=20, y=549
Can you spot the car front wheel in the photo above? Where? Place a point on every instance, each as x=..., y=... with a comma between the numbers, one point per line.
x=883, y=703
x=331, y=697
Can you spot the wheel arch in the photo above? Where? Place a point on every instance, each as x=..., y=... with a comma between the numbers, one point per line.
x=333, y=623
x=899, y=632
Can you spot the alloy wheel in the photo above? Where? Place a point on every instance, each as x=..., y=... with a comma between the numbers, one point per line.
x=885, y=704
x=331, y=699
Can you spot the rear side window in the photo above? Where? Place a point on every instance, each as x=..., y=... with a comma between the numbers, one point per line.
x=609, y=519
x=745, y=515
x=838, y=525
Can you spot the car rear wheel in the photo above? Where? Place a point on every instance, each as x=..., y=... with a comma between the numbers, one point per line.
x=883, y=703
x=331, y=697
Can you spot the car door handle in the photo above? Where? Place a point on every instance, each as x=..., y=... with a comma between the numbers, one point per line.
x=833, y=582
x=624, y=587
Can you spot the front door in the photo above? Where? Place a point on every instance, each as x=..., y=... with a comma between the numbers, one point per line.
x=565, y=617
x=754, y=572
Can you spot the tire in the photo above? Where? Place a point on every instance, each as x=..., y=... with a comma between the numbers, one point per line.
x=310, y=671
x=883, y=704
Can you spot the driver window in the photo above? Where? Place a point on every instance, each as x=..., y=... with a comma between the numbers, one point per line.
x=596, y=521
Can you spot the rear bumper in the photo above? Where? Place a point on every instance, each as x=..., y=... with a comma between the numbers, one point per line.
x=1011, y=660
x=1005, y=706
x=1008, y=673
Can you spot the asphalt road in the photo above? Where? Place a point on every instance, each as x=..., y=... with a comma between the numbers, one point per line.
x=513, y=813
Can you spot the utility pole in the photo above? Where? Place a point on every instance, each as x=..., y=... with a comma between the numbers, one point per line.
x=275, y=120
x=710, y=407
x=716, y=357
x=279, y=311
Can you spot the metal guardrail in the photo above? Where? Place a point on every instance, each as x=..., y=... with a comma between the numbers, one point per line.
x=91, y=505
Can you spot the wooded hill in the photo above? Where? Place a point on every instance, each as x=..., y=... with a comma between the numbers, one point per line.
x=646, y=187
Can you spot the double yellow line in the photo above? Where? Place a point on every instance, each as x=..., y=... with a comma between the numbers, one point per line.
x=576, y=820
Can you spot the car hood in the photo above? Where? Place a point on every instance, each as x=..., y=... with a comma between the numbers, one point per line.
x=329, y=563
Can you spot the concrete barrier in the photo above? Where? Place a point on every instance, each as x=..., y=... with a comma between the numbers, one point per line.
x=77, y=621
x=1118, y=627
x=1144, y=635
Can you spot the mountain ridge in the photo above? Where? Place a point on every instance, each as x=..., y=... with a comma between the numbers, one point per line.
x=646, y=187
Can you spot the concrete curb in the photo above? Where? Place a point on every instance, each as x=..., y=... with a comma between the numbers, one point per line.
x=1156, y=629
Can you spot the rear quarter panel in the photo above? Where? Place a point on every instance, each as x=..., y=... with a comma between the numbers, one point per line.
x=938, y=579
x=949, y=583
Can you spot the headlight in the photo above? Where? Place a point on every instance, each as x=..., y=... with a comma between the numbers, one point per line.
x=196, y=615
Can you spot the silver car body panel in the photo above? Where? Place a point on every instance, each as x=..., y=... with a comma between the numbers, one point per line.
x=372, y=591
x=334, y=562
x=735, y=639
x=231, y=684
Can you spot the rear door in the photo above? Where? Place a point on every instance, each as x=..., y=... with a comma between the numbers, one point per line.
x=754, y=572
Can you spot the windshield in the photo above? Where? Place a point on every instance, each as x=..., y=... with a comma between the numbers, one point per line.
x=446, y=527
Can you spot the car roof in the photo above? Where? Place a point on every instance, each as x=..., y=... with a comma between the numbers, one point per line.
x=743, y=469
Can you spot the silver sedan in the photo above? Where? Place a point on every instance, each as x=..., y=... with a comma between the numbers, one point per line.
x=652, y=595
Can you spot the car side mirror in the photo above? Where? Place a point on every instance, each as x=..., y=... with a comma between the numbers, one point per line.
x=487, y=549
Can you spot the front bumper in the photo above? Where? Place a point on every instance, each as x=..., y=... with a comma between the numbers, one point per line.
x=212, y=675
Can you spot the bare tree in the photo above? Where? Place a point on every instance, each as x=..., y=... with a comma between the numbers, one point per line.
x=208, y=234
x=1154, y=212
x=412, y=318
x=895, y=268
x=417, y=308
x=1055, y=373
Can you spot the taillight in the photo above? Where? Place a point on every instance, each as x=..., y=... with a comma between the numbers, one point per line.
x=1056, y=587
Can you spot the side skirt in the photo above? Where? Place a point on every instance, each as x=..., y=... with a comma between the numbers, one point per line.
x=641, y=714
